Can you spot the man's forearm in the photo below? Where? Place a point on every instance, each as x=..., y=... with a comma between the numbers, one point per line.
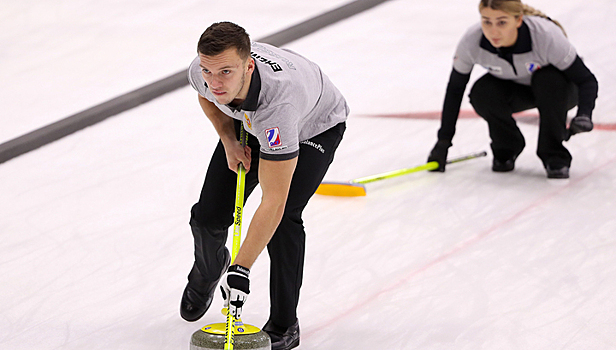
x=262, y=227
x=275, y=179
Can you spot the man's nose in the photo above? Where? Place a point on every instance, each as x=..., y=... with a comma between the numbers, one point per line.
x=216, y=83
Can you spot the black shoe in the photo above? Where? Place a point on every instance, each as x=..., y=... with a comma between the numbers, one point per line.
x=503, y=166
x=283, y=339
x=194, y=304
x=557, y=172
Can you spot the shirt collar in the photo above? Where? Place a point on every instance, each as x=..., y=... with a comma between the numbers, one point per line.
x=252, y=97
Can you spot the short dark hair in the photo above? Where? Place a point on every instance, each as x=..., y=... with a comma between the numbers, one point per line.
x=221, y=36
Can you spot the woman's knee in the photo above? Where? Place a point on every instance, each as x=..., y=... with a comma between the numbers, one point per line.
x=549, y=78
x=487, y=94
x=551, y=88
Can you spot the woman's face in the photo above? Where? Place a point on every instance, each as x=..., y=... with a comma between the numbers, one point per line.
x=500, y=27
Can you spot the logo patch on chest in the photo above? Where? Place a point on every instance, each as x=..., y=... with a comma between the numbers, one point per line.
x=496, y=70
x=248, y=122
x=532, y=67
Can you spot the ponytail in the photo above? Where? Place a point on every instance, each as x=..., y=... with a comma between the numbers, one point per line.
x=531, y=11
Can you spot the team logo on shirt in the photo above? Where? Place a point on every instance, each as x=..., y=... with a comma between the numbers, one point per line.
x=532, y=67
x=248, y=121
x=273, y=138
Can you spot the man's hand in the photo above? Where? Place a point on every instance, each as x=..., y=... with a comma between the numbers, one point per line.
x=235, y=288
x=237, y=154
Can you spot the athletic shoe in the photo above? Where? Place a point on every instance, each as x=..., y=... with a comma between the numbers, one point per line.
x=557, y=172
x=503, y=166
x=194, y=304
x=283, y=339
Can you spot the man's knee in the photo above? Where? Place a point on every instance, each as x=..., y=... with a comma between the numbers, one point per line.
x=205, y=221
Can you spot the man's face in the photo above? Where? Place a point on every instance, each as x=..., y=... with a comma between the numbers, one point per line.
x=499, y=27
x=225, y=75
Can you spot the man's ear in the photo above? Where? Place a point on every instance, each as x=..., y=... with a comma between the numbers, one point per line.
x=251, y=65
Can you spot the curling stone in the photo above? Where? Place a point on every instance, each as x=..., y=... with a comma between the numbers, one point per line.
x=247, y=337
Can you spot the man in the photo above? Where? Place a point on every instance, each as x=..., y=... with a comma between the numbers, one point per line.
x=295, y=118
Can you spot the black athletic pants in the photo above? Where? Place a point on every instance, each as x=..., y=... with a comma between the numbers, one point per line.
x=550, y=92
x=213, y=215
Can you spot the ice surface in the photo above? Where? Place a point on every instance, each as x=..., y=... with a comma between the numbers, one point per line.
x=96, y=246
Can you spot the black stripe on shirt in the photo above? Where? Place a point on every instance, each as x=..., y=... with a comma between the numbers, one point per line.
x=279, y=157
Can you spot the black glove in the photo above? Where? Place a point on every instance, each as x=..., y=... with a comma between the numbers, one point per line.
x=581, y=123
x=439, y=154
x=235, y=288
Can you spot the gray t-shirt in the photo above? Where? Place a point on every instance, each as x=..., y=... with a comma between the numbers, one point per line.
x=289, y=101
x=548, y=46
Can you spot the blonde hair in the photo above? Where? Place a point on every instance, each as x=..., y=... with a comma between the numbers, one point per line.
x=516, y=8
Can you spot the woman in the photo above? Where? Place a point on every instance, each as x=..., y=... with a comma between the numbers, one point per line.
x=530, y=64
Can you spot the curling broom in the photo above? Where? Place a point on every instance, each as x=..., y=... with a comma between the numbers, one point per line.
x=356, y=188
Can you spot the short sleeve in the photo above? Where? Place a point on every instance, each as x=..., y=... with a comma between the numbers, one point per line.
x=278, y=132
x=463, y=61
x=560, y=52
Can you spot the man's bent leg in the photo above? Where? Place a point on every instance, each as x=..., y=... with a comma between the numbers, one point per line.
x=209, y=222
